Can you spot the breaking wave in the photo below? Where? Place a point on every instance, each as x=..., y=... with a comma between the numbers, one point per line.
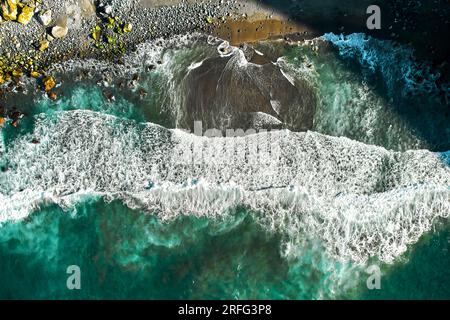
x=360, y=200
x=396, y=63
x=366, y=89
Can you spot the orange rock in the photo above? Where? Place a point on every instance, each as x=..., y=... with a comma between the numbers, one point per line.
x=2, y=122
x=49, y=83
x=53, y=96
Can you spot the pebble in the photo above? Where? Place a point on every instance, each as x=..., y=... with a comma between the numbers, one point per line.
x=59, y=32
x=45, y=17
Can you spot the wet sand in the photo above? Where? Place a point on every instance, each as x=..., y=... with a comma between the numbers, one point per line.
x=239, y=31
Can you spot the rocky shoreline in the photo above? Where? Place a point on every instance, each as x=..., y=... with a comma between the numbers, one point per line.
x=59, y=30
x=43, y=32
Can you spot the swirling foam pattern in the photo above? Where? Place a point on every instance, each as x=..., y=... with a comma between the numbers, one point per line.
x=360, y=200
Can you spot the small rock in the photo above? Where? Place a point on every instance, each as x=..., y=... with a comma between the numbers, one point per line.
x=26, y=15
x=59, y=32
x=127, y=27
x=209, y=20
x=49, y=83
x=43, y=45
x=109, y=39
x=9, y=10
x=142, y=93
x=107, y=9
x=17, y=73
x=35, y=74
x=45, y=17
x=5, y=78
x=96, y=35
x=52, y=96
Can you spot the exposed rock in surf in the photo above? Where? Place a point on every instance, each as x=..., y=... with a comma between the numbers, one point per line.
x=227, y=92
x=142, y=93
x=150, y=68
x=52, y=96
x=15, y=117
x=108, y=96
x=49, y=83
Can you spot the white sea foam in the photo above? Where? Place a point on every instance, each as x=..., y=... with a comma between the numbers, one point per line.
x=263, y=120
x=396, y=63
x=360, y=200
x=350, y=103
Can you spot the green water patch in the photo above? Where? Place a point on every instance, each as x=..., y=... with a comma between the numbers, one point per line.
x=88, y=97
x=422, y=273
x=76, y=97
x=125, y=254
x=412, y=90
x=373, y=92
x=349, y=105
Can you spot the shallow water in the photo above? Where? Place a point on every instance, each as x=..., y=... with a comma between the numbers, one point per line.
x=108, y=190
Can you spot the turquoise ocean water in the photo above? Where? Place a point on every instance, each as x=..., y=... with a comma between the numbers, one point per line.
x=370, y=91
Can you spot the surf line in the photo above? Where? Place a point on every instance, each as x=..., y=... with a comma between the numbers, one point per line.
x=190, y=310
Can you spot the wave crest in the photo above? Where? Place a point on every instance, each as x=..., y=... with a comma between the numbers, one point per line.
x=360, y=200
